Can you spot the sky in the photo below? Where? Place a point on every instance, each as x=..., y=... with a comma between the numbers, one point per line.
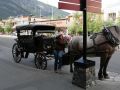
x=105, y=3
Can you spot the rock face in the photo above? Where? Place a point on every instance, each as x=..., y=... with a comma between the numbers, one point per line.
x=27, y=7
x=84, y=74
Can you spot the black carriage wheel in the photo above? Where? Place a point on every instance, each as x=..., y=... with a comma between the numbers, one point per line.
x=40, y=61
x=16, y=53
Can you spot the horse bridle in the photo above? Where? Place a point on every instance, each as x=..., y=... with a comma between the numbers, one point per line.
x=110, y=37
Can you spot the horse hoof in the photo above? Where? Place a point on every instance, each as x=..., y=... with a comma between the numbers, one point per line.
x=71, y=71
x=100, y=77
x=106, y=76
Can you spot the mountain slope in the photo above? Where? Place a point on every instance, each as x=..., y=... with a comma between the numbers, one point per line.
x=27, y=7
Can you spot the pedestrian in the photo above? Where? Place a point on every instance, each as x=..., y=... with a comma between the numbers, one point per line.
x=59, y=52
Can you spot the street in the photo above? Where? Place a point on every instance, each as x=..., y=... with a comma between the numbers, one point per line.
x=25, y=76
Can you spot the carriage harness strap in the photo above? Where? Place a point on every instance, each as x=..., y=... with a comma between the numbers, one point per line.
x=108, y=35
x=93, y=38
x=95, y=46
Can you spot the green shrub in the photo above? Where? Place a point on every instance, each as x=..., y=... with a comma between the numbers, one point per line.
x=1, y=29
x=8, y=29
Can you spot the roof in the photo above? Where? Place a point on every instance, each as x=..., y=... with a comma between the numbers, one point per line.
x=35, y=27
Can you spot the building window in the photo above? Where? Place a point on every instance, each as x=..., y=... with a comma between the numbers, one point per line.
x=112, y=16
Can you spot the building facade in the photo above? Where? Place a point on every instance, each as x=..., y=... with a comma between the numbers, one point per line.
x=112, y=12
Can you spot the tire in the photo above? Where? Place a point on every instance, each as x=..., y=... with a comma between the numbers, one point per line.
x=16, y=53
x=40, y=61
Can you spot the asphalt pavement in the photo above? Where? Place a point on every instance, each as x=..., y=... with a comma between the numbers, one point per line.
x=24, y=76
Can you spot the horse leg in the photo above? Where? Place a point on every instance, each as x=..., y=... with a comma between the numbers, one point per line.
x=105, y=68
x=100, y=73
x=71, y=68
x=71, y=61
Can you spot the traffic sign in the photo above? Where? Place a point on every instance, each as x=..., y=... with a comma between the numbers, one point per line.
x=69, y=6
x=71, y=1
x=93, y=6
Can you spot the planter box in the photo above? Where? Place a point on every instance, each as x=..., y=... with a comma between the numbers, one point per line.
x=84, y=74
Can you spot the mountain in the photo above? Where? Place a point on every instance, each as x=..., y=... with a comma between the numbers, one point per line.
x=26, y=7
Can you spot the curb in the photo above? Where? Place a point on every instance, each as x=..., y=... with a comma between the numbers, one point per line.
x=8, y=36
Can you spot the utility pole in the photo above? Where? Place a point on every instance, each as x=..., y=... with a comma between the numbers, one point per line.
x=40, y=11
x=52, y=13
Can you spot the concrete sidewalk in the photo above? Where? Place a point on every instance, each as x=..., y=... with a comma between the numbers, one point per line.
x=109, y=84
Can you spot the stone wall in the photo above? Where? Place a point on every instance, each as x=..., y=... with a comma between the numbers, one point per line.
x=84, y=74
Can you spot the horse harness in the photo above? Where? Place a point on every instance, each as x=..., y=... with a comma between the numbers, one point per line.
x=111, y=39
x=95, y=46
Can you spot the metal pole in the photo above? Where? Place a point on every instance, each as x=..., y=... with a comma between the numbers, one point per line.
x=40, y=11
x=84, y=31
x=52, y=12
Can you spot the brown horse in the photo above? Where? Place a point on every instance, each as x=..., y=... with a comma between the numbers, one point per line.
x=100, y=44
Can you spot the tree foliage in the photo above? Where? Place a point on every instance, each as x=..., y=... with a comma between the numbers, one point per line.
x=76, y=26
x=118, y=21
x=94, y=23
x=109, y=22
x=8, y=27
x=1, y=29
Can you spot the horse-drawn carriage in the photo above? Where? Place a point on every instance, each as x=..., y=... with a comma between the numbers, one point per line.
x=36, y=39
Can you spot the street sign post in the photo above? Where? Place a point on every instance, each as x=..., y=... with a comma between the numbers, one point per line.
x=83, y=72
x=93, y=6
x=83, y=7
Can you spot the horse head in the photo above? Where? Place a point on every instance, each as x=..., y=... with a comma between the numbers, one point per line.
x=112, y=34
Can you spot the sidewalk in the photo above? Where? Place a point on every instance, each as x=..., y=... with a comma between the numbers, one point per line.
x=109, y=84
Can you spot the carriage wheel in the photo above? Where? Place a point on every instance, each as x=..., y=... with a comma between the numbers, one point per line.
x=16, y=53
x=40, y=61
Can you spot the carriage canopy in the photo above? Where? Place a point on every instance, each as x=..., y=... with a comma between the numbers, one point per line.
x=34, y=28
